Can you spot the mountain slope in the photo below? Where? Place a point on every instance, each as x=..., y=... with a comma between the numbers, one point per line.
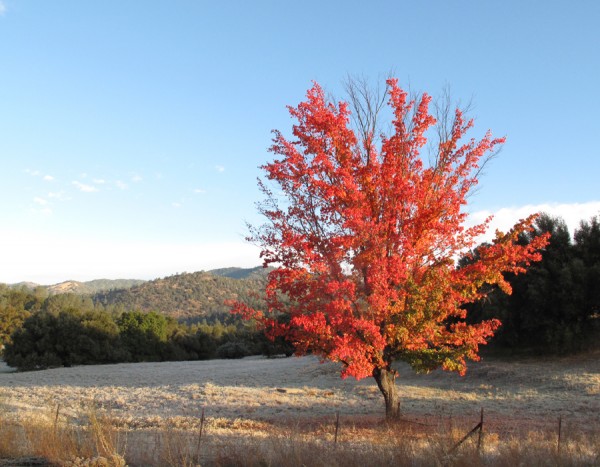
x=188, y=295
x=242, y=273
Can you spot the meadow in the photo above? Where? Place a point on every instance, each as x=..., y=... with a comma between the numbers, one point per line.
x=298, y=411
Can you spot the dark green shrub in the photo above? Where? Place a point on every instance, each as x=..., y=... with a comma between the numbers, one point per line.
x=144, y=335
x=66, y=338
x=232, y=350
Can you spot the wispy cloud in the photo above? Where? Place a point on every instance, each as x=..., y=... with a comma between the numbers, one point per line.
x=199, y=191
x=176, y=205
x=99, y=181
x=46, y=212
x=2, y=8
x=42, y=206
x=121, y=185
x=219, y=168
x=37, y=173
x=58, y=195
x=505, y=218
x=136, y=178
x=60, y=257
x=83, y=187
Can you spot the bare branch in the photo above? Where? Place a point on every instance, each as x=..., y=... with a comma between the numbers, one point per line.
x=366, y=103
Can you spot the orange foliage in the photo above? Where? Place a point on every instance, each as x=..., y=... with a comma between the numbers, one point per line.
x=366, y=240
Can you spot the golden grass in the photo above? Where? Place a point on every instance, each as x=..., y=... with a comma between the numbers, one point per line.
x=90, y=441
x=283, y=413
x=93, y=441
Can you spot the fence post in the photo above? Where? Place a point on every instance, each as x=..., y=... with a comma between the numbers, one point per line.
x=55, y=427
x=337, y=426
x=559, y=434
x=200, y=435
x=480, y=438
x=478, y=427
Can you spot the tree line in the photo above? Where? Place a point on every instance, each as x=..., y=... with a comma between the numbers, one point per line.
x=40, y=331
x=555, y=307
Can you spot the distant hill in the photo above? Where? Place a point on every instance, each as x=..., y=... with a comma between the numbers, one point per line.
x=83, y=288
x=92, y=287
x=240, y=273
x=191, y=295
x=27, y=285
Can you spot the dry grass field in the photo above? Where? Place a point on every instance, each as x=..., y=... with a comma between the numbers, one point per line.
x=258, y=411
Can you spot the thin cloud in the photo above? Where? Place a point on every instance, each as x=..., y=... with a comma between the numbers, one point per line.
x=85, y=188
x=2, y=8
x=46, y=212
x=505, y=218
x=37, y=173
x=219, y=168
x=61, y=257
x=121, y=185
x=199, y=191
x=176, y=205
x=42, y=206
x=58, y=195
x=99, y=181
x=136, y=178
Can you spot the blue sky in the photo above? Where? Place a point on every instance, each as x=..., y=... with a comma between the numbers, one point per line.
x=131, y=132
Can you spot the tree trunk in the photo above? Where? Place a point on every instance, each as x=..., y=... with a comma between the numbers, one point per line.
x=386, y=381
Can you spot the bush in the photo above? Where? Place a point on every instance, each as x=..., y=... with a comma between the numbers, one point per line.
x=233, y=350
x=144, y=335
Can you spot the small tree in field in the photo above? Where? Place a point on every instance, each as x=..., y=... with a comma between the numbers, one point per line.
x=364, y=235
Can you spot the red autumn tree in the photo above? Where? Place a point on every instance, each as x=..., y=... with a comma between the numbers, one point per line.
x=364, y=236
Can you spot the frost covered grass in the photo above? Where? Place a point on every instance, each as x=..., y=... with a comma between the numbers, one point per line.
x=283, y=412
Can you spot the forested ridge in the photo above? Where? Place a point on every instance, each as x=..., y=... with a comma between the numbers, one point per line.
x=190, y=295
x=181, y=317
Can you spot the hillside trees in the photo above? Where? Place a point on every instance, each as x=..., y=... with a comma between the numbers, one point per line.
x=364, y=233
x=186, y=296
x=16, y=305
x=587, y=249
